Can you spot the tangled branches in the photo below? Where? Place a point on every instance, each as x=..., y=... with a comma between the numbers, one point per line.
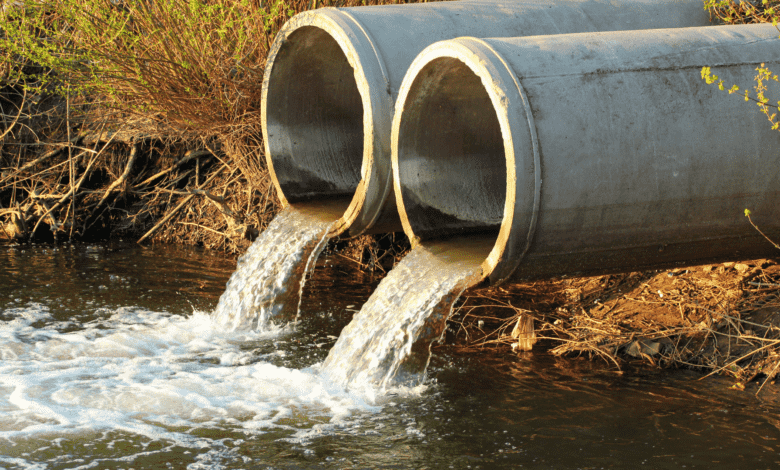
x=718, y=318
x=138, y=119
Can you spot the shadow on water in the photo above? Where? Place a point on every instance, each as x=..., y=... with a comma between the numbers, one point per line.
x=547, y=412
x=77, y=280
x=249, y=405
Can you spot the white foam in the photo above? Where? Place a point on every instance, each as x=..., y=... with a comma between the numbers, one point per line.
x=155, y=375
x=21, y=464
x=265, y=288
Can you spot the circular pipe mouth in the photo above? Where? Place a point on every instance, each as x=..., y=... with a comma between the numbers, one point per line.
x=314, y=120
x=451, y=162
x=460, y=124
x=326, y=120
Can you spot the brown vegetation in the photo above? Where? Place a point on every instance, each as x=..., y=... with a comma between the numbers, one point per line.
x=159, y=141
x=721, y=318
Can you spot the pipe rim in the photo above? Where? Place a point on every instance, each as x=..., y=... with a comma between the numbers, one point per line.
x=373, y=85
x=512, y=109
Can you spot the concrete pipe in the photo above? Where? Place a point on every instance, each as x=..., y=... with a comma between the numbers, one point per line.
x=590, y=153
x=333, y=76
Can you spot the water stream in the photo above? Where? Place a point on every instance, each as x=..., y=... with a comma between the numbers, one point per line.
x=388, y=342
x=109, y=359
x=264, y=291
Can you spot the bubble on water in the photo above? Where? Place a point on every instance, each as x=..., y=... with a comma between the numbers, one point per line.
x=155, y=375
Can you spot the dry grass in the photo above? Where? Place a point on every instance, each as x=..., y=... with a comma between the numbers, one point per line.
x=372, y=253
x=742, y=11
x=153, y=136
x=720, y=318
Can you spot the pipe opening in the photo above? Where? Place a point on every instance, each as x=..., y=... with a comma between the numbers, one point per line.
x=314, y=119
x=451, y=159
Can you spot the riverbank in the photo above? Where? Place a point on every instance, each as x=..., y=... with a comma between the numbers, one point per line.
x=80, y=167
x=111, y=132
x=717, y=319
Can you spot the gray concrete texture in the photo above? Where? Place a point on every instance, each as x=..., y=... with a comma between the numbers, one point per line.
x=333, y=76
x=590, y=153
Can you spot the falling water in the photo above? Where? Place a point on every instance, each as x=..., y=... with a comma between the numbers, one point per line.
x=388, y=341
x=266, y=286
x=103, y=365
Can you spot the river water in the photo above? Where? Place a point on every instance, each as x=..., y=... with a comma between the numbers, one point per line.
x=111, y=358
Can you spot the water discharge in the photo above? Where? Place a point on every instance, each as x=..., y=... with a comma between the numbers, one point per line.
x=153, y=376
x=265, y=289
x=104, y=365
x=388, y=342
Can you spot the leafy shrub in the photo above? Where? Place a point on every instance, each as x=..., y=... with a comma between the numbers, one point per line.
x=194, y=64
x=746, y=12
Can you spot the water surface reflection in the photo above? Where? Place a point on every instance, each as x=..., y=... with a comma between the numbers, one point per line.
x=84, y=329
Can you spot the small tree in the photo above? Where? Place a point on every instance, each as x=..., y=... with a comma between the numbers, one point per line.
x=745, y=12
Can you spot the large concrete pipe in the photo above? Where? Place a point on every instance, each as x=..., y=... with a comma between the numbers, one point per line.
x=590, y=153
x=333, y=76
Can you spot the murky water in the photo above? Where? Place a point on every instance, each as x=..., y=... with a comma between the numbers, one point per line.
x=111, y=359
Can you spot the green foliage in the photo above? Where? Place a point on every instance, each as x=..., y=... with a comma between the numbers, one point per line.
x=743, y=12
x=195, y=64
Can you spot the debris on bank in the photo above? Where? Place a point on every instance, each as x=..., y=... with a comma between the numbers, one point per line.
x=721, y=318
x=146, y=186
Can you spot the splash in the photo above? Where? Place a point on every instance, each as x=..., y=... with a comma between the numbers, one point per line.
x=139, y=375
x=388, y=341
x=266, y=286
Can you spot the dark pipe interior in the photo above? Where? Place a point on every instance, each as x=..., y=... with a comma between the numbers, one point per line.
x=452, y=165
x=314, y=118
